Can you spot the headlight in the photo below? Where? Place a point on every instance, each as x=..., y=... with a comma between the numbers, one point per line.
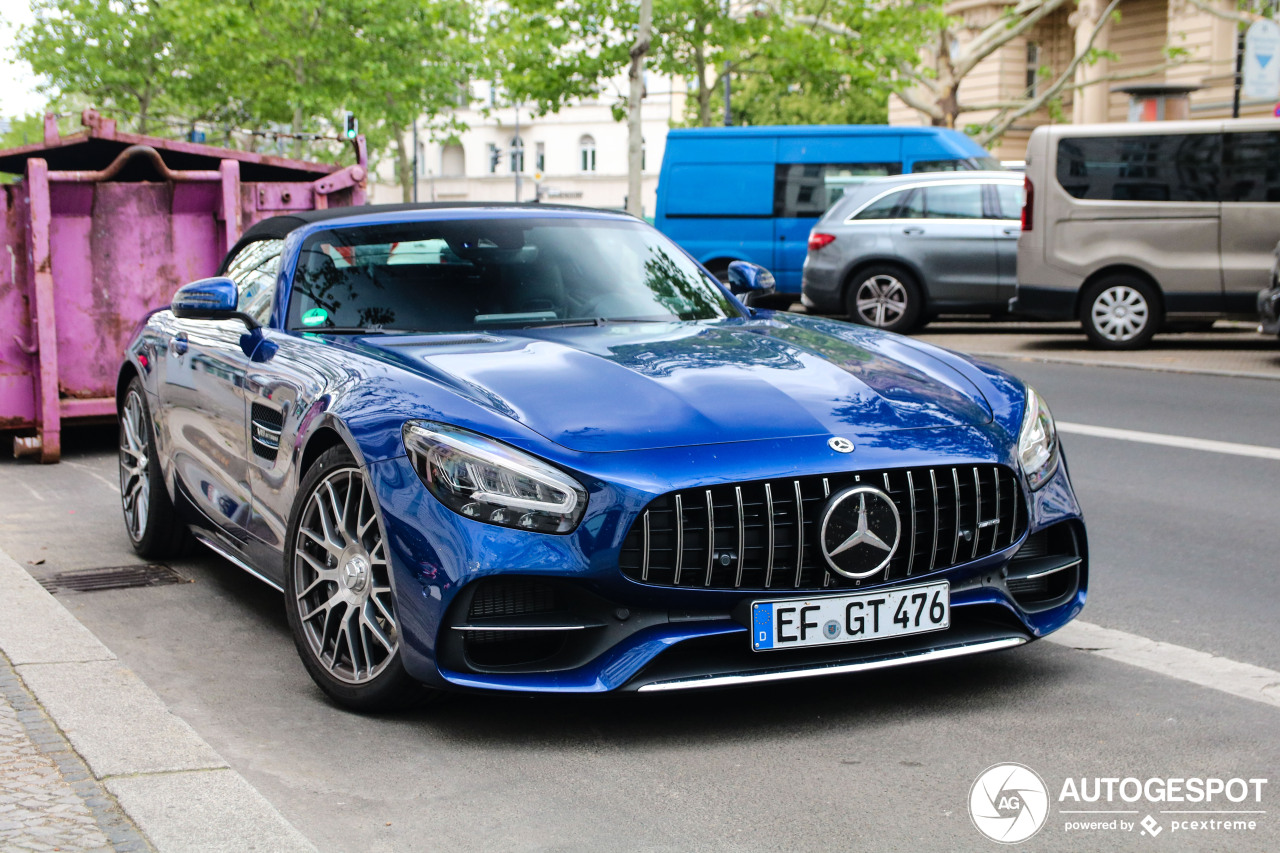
x=493, y=482
x=1037, y=442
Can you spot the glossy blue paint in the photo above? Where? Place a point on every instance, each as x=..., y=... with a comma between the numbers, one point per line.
x=630, y=410
x=206, y=299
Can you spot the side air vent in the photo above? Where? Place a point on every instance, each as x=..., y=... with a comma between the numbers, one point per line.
x=265, y=425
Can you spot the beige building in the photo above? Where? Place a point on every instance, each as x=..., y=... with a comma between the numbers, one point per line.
x=1203, y=45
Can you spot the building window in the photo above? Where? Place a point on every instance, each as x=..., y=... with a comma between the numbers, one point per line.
x=453, y=161
x=1033, y=69
x=517, y=154
x=540, y=157
x=494, y=158
x=587, y=147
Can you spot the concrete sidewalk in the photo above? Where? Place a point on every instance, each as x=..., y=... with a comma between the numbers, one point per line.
x=91, y=759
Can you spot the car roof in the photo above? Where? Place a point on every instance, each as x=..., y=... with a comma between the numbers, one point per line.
x=279, y=227
x=873, y=187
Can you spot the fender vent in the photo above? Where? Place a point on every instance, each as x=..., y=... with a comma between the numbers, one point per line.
x=265, y=426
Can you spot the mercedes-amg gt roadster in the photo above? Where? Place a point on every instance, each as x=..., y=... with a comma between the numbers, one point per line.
x=536, y=448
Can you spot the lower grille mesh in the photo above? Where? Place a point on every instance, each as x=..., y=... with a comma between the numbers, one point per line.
x=764, y=534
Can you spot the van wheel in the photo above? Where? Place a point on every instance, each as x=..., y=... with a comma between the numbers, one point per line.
x=1120, y=312
x=885, y=297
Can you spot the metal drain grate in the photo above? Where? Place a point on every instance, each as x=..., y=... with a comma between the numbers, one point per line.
x=113, y=577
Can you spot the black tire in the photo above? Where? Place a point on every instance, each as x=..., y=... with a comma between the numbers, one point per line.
x=884, y=296
x=154, y=528
x=363, y=675
x=1121, y=312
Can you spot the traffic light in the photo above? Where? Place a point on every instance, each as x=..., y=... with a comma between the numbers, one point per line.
x=352, y=128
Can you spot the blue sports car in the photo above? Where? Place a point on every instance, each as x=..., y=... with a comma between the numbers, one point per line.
x=536, y=448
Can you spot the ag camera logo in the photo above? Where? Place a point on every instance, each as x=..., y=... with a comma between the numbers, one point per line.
x=1009, y=803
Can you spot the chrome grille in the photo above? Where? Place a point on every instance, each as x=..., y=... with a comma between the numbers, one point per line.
x=764, y=534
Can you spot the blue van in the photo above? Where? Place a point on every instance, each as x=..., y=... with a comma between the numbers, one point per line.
x=753, y=193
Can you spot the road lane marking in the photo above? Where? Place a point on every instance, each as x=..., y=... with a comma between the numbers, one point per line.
x=1205, y=444
x=1218, y=673
x=94, y=474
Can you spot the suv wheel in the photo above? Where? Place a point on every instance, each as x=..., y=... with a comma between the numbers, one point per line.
x=1120, y=312
x=885, y=297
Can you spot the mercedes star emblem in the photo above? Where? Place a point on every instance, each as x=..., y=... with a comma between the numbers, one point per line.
x=840, y=445
x=860, y=531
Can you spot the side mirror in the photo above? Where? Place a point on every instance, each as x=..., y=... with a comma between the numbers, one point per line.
x=750, y=281
x=210, y=299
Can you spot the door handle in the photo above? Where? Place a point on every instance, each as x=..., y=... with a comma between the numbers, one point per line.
x=782, y=238
x=1013, y=230
x=913, y=230
x=178, y=346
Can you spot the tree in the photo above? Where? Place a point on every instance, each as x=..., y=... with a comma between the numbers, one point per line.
x=119, y=54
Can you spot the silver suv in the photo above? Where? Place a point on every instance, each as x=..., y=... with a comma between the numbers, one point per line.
x=895, y=252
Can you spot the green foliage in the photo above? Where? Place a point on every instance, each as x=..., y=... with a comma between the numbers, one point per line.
x=763, y=99
x=286, y=66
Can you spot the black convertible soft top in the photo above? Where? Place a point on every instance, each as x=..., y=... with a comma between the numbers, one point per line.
x=279, y=227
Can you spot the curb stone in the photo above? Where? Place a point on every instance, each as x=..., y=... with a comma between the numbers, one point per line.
x=108, y=732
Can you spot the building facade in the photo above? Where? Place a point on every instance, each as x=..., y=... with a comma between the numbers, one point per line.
x=575, y=156
x=1172, y=42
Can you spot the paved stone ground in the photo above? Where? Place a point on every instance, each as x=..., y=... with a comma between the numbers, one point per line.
x=48, y=799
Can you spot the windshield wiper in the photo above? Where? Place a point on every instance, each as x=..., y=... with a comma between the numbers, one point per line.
x=348, y=330
x=540, y=324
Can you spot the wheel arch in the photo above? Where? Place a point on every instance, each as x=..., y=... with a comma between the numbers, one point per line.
x=323, y=438
x=1119, y=269
x=856, y=268
x=128, y=372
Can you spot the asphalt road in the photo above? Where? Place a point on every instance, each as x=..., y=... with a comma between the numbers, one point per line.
x=1183, y=550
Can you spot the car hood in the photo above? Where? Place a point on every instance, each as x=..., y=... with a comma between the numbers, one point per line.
x=637, y=386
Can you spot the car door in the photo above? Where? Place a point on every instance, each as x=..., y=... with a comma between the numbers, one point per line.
x=1005, y=199
x=954, y=245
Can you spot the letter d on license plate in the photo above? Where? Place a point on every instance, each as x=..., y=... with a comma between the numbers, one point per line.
x=830, y=620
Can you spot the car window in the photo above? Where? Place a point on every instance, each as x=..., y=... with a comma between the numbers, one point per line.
x=254, y=270
x=455, y=275
x=954, y=201
x=885, y=207
x=1011, y=197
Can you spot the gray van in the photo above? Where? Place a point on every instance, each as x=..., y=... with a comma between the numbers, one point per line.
x=1134, y=228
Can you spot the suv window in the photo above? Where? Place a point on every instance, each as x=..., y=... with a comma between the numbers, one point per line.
x=885, y=207
x=1251, y=166
x=254, y=270
x=954, y=201
x=1181, y=167
x=808, y=189
x=1011, y=197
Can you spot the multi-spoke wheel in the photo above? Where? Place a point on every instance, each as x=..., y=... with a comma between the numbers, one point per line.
x=885, y=297
x=1120, y=312
x=149, y=517
x=338, y=589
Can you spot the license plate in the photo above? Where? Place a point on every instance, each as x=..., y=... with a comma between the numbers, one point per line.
x=860, y=616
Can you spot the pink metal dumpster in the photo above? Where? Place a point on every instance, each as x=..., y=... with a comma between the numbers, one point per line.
x=103, y=227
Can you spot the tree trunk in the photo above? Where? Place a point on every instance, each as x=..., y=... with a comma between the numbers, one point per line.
x=704, y=93
x=404, y=164
x=635, y=133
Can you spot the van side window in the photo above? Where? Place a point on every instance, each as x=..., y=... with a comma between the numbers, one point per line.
x=1251, y=166
x=954, y=201
x=1182, y=167
x=808, y=189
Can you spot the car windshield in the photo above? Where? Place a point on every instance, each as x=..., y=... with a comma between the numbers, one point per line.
x=465, y=274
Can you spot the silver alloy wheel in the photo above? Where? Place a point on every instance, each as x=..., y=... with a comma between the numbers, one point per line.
x=1120, y=313
x=881, y=300
x=135, y=458
x=342, y=580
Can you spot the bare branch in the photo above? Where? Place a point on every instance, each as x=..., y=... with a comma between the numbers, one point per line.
x=1002, y=31
x=933, y=111
x=1004, y=122
x=1238, y=17
x=918, y=79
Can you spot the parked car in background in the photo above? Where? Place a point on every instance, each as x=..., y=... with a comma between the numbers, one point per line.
x=1269, y=300
x=895, y=252
x=753, y=193
x=1132, y=228
x=539, y=449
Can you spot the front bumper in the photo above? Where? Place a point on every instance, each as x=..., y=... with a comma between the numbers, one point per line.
x=1044, y=303
x=603, y=632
